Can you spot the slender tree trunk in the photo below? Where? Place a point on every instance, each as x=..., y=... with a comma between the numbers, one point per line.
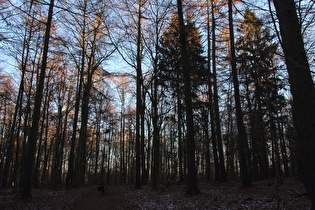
x=56, y=154
x=108, y=158
x=39, y=149
x=212, y=122
x=192, y=183
x=210, y=92
x=180, y=139
x=98, y=138
x=18, y=106
x=81, y=159
x=70, y=174
x=222, y=172
x=46, y=150
x=179, y=124
x=148, y=151
x=123, y=116
x=63, y=138
x=156, y=139
x=242, y=138
x=283, y=145
x=26, y=185
x=139, y=103
x=230, y=135
x=302, y=90
x=69, y=178
x=143, y=169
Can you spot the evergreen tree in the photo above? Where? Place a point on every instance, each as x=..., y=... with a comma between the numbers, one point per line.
x=178, y=63
x=170, y=68
x=257, y=53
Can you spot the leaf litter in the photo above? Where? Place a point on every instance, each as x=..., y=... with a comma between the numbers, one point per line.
x=230, y=195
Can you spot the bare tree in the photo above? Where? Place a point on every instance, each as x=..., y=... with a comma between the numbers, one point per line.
x=26, y=185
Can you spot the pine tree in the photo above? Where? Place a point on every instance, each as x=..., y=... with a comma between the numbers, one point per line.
x=256, y=56
x=170, y=68
x=182, y=68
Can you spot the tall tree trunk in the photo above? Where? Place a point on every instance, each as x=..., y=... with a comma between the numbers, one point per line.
x=260, y=135
x=212, y=117
x=180, y=140
x=280, y=127
x=56, y=154
x=70, y=174
x=302, y=90
x=230, y=135
x=222, y=172
x=179, y=127
x=25, y=53
x=123, y=116
x=39, y=149
x=98, y=137
x=139, y=103
x=46, y=150
x=242, y=137
x=143, y=169
x=64, y=136
x=109, y=151
x=156, y=139
x=81, y=159
x=192, y=183
x=26, y=185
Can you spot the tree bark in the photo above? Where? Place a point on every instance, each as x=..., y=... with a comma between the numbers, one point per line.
x=302, y=90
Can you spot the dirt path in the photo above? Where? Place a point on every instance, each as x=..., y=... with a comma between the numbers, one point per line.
x=94, y=200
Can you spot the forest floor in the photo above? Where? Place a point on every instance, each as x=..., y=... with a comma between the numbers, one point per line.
x=261, y=195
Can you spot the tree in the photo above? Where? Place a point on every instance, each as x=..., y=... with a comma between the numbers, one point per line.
x=28, y=33
x=96, y=51
x=302, y=90
x=216, y=115
x=210, y=15
x=7, y=94
x=257, y=60
x=170, y=67
x=80, y=68
x=242, y=136
x=139, y=109
x=171, y=72
x=26, y=186
x=192, y=183
x=157, y=12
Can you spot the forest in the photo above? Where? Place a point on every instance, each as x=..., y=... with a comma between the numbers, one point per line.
x=151, y=92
